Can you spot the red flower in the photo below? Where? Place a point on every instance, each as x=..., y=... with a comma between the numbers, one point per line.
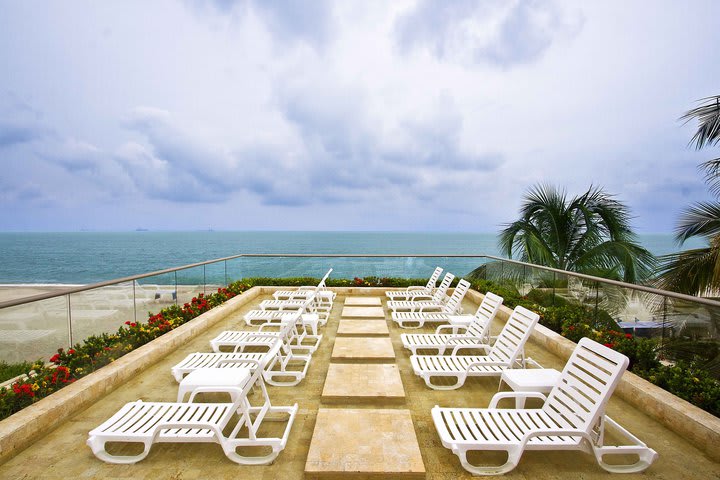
x=55, y=358
x=71, y=351
x=127, y=323
x=609, y=345
x=628, y=335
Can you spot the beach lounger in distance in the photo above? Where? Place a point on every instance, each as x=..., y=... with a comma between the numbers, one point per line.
x=410, y=293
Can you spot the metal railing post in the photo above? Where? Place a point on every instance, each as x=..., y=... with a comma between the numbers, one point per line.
x=134, y=302
x=176, y=289
x=204, y=281
x=226, y=277
x=69, y=312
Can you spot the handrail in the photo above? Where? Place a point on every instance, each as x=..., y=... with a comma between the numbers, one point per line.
x=82, y=288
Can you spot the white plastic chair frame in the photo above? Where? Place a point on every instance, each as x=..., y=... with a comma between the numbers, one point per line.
x=571, y=418
x=438, y=298
x=289, y=364
x=417, y=291
x=476, y=334
x=238, y=340
x=417, y=319
x=159, y=422
x=506, y=352
x=302, y=293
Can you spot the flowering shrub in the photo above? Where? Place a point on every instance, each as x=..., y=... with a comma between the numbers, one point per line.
x=99, y=350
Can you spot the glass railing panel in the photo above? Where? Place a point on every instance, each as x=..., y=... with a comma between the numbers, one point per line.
x=234, y=269
x=190, y=283
x=155, y=293
x=214, y=277
x=102, y=310
x=33, y=331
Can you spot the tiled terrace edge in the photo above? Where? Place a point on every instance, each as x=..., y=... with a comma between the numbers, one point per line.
x=699, y=427
x=21, y=429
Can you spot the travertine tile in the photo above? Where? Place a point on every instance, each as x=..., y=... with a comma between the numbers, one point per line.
x=363, y=382
x=363, y=348
x=362, y=328
x=363, y=312
x=363, y=301
x=364, y=442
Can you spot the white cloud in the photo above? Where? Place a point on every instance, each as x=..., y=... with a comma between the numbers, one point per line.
x=450, y=109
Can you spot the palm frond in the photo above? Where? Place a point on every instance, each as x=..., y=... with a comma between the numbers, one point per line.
x=701, y=219
x=691, y=271
x=708, y=117
x=711, y=172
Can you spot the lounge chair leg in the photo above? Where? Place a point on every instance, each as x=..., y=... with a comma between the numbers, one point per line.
x=646, y=457
x=98, y=448
x=510, y=464
x=460, y=382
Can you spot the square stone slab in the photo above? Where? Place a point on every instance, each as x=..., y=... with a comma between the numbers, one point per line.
x=363, y=312
x=363, y=349
x=364, y=443
x=362, y=382
x=363, y=301
x=362, y=328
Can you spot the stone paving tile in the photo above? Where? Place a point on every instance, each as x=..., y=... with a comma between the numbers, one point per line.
x=364, y=441
x=363, y=349
x=362, y=328
x=363, y=312
x=346, y=383
x=363, y=301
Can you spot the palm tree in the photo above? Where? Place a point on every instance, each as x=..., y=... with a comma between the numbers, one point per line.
x=589, y=233
x=697, y=271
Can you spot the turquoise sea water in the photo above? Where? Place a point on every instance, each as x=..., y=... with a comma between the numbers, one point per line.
x=88, y=257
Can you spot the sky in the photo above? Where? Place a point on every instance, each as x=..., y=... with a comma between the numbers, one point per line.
x=408, y=115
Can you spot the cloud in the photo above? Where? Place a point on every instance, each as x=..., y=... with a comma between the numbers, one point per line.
x=494, y=32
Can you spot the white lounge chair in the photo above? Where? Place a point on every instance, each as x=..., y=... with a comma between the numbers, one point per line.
x=157, y=422
x=571, y=418
x=423, y=315
x=303, y=293
x=281, y=363
x=238, y=340
x=412, y=292
x=506, y=352
x=476, y=333
x=313, y=314
x=438, y=298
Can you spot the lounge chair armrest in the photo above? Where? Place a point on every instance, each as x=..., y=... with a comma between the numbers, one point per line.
x=305, y=289
x=502, y=395
x=455, y=328
x=415, y=289
x=481, y=345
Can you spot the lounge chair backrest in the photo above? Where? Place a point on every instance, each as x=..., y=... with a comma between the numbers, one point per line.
x=457, y=297
x=586, y=384
x=322, y=282
x=489, y=307
x=441, y=292
x=511, y=341
x=433, y=278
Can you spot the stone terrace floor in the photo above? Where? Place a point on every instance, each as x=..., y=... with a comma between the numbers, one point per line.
x=63, y=453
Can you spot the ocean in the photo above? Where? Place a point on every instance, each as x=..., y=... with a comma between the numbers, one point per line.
x=90, y=257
